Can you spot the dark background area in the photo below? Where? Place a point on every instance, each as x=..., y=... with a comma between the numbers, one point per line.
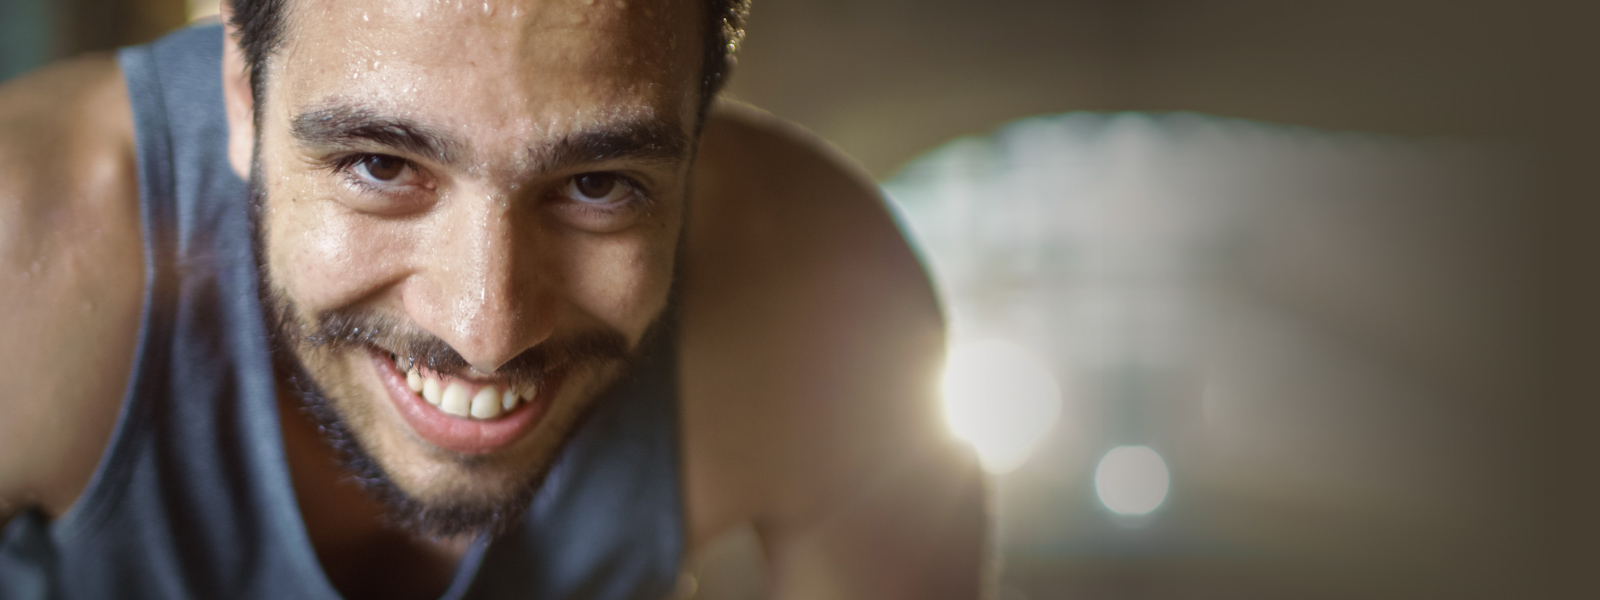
x=887, y=80
x=36, y=31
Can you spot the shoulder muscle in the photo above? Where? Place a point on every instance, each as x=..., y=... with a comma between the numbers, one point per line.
x=71, y=277
x=811, y=335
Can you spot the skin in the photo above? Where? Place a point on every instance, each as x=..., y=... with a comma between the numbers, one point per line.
x=484, y=249
x=810, y=337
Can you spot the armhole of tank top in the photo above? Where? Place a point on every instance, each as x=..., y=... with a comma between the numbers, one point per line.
x=153, y=151
x=673, y=412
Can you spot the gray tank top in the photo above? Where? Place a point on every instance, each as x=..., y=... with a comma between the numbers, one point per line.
x=192, y=497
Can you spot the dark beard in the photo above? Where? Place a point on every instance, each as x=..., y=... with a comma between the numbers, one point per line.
x=363, y=331
x=401, y=510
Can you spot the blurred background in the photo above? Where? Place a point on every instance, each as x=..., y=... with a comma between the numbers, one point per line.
x=1249, y=299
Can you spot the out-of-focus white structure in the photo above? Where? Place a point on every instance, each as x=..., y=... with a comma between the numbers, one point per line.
x=1131, y=480
x=1001, y=398
x=1316, y=330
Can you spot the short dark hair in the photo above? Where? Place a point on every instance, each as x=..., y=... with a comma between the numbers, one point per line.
x=260, y=24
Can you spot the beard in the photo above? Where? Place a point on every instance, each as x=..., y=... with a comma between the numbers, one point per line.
x=304, y=346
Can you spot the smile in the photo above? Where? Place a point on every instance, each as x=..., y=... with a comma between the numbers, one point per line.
x=460, y=415
x=464, y=398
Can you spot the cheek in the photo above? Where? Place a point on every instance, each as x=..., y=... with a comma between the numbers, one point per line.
x=622, y=280
x=324, y=256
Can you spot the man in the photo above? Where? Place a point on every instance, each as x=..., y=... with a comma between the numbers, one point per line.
x=510, y=306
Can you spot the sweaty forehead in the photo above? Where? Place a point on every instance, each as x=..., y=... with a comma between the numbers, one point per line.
x=493, y=68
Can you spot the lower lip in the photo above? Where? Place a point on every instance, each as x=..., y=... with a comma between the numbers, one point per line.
x=466, y=436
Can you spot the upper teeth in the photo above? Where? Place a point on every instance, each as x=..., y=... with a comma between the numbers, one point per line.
x=453, y=397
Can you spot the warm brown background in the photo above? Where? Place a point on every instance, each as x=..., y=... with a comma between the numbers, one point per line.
x=886, y=80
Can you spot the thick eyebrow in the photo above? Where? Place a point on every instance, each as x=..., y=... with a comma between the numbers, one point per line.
x=634, y=139
x=638, y=140
x=346, y=125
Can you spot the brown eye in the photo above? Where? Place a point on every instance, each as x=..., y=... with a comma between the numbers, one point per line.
x=594, y=186
x=382, y=168
x=602, y=201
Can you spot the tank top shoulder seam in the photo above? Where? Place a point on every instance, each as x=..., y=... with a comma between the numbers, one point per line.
x=146, y=99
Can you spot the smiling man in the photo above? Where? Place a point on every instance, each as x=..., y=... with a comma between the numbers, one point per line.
x=476, y=300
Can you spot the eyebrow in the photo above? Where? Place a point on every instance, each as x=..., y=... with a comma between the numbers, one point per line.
x=345, y=125
x=641, y=140
x=634, y=139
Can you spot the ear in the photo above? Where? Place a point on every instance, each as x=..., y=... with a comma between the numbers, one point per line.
x=236, y=97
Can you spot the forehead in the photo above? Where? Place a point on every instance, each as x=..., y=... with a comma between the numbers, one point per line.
x=513, y=67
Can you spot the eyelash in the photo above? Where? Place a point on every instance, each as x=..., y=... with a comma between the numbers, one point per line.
x=344, y=167
x=641, y=199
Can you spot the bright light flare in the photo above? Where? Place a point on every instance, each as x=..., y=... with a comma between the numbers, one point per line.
x=1131, y=480
x=1001, y=399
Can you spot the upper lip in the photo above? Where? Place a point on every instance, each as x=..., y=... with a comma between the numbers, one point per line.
x=469, y=374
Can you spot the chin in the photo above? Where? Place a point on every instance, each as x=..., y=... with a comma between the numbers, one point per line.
x=434, y=489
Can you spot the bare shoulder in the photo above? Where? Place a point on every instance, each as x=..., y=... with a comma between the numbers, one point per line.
x=811, y=334
x=71, y=277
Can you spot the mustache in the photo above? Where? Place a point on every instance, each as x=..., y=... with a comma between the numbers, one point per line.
x=359, y=329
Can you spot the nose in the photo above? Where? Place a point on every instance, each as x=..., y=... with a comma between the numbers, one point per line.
x=481, y=292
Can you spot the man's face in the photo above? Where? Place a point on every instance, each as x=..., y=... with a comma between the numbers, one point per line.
x=481, y=199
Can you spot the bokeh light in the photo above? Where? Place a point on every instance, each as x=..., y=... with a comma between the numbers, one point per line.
x=1131, y=480
x=1000, y=398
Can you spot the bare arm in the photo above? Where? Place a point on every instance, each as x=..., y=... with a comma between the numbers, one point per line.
x=71, y=278
x=811, y=346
